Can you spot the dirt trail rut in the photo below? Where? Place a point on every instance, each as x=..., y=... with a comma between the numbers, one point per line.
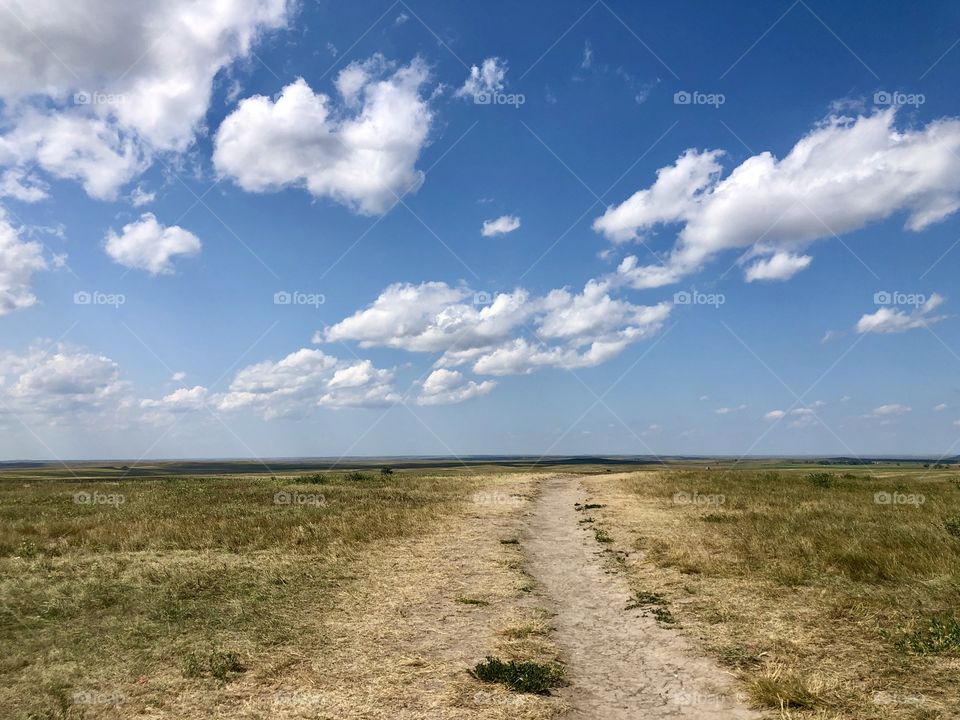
x=620, y=663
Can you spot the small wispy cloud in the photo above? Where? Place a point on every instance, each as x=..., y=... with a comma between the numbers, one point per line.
x=500, y=226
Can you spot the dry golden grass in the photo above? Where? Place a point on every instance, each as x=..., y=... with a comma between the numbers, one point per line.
x=819, y=598
x=206, y=599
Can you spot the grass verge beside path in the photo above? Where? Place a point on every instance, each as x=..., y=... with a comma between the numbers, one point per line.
x=118, y=598
x=830, y=594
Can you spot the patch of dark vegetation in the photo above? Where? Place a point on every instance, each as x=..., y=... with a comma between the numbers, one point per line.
x=641, y=598
x=663, y=616
x=472, y=601
x=602, y=536
x=940, y=636
x=952, y=525
x=386, y=471
x=524, y=677
x=356, y=476
x=655, y=604
x=510, y=541
x=216, y=663
x=587, y=506
x=314, y=479
x=821, y=479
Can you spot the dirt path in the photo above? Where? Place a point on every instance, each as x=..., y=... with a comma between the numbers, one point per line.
x=621, y=663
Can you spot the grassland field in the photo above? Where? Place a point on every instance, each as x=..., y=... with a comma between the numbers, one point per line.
x=827, y=592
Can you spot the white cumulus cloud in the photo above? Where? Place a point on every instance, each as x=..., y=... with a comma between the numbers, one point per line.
x=361, y=152
x=846, y=173
x=513, y=333
x=779, y=266
x=446, y=387
x=92, y=89
x=305, y=380
x=60, y=384
x=19, y=260
x=148, y=245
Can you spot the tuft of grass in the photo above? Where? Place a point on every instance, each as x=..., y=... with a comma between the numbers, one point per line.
x=952, y=525
x=524, y=677
x=821, y=479
x=588, y=506
x=510, y=541
x=602, y=536
x=526, y=630
x=472, y=601
x=940, y=636
x=782, y=690
x=213, y=663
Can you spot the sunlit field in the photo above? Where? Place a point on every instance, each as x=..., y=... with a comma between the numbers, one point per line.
x=830, y=592
x=161, y=593
x=826, y=592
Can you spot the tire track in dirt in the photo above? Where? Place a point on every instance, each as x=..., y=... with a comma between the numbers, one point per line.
x=620, y=663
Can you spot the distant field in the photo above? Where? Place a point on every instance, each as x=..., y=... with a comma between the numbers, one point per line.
x=131, y=469
x=831, y=592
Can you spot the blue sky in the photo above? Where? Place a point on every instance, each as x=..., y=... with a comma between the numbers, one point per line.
x=711, y=229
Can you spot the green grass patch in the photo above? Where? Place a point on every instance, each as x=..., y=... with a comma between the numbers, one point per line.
x=524, y=677
x=940, y=636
